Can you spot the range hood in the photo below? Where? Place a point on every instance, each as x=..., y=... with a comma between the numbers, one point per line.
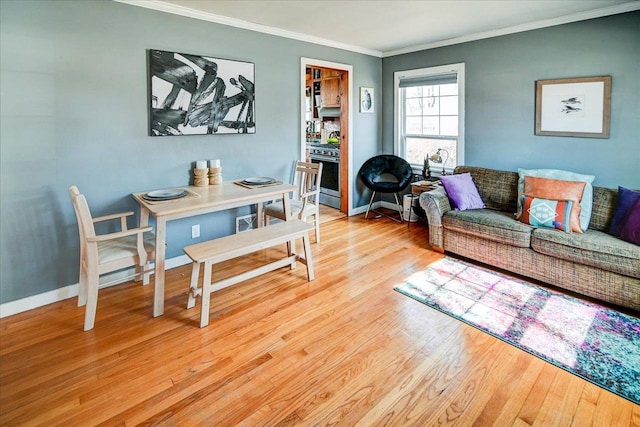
x=328, y=112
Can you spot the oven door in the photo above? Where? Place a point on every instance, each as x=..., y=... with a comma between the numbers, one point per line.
x=330, y=179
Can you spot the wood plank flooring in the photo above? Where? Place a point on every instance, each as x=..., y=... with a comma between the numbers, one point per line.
x=344, y=349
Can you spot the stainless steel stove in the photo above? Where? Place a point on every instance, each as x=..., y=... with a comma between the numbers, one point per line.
x=329, y=156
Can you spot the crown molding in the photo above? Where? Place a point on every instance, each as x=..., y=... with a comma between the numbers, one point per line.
x=224, y=20
x=567, y=19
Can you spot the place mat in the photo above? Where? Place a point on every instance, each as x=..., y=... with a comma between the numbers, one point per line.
x=190, y=195
x=242, y=184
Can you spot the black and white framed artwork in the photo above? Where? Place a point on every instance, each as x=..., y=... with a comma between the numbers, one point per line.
x=198, y=95
x=366, y=100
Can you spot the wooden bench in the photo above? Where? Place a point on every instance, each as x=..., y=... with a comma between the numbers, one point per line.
x=236, y=245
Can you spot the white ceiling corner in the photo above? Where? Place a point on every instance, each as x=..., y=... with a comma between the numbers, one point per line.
x=389, y=27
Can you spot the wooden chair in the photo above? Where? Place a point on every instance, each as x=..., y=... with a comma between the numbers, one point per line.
x=306, y=204
x=101, y=254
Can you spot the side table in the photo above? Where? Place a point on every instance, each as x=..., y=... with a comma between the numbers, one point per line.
x=419, y=187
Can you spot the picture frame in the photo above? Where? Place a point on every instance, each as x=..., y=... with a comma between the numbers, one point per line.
x=199, y=95
x=575, y=107
x=367, y=100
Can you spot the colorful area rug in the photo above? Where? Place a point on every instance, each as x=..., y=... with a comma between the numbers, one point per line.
x=593, y=342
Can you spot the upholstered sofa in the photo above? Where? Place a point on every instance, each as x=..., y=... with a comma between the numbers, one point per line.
x=592, y=263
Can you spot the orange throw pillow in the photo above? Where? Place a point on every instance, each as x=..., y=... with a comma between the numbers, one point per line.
x=555, y=189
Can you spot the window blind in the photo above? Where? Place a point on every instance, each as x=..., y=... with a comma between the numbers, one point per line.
x=432, y=80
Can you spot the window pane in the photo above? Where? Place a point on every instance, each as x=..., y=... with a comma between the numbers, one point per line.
x=448, y=156
x=430, y=125
x=413, y=92
x=431, y=91
x=450, y=89
x=413, y=125
x=414, y=107
x=419, y=148
x=449, y=105
x=431, y=106
x=449, y=125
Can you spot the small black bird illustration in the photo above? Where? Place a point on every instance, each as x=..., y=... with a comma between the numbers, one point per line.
x=573, y=100
x=568, y=109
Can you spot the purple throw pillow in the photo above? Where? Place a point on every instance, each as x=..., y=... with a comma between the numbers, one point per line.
x=462, y=192
x=626, y=199
x=631, y=228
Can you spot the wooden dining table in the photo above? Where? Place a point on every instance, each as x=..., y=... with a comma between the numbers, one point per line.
x=199, y=201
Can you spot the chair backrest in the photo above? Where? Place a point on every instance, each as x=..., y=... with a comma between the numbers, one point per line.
x=73, y=194
x=308, y=176
x=386, y=173
x=83, y=215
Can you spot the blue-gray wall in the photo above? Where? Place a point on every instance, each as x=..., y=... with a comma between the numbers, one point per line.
x=500, y=96
x=74, y=111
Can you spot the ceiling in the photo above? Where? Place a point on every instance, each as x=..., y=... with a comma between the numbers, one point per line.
x=385, y=28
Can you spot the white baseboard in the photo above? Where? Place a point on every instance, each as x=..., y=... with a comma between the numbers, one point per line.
x=363, y=209
x=71, y=291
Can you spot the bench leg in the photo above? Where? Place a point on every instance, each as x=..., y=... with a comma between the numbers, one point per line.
x=193, y=285
x=291, y=250
x=206, y=295
x=308, y=257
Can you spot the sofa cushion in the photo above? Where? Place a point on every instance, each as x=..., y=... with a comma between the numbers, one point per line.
x=604, y=205
x=594, y=248
x=489, y=224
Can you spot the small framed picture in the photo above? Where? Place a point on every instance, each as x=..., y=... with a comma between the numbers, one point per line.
x=366, y=100
x=579, y=107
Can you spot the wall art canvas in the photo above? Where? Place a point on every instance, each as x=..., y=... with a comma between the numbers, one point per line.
x=574, y=107
x=198, y=95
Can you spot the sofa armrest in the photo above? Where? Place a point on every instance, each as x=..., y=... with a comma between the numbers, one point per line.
x=435, y=204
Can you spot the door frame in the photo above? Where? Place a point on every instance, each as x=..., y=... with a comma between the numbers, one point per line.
x=310, y=62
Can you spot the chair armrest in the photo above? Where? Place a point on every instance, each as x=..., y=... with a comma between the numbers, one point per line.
x=435, y=204
x=117, y=235
x=122, y=216
x=142, y=253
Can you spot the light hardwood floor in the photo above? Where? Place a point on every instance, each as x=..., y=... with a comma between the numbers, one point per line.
x=328, y=214
x=344, y=349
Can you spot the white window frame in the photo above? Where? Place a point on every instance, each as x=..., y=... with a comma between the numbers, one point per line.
x=399, y=146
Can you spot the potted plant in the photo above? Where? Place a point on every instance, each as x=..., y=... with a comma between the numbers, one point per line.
x=426, y=169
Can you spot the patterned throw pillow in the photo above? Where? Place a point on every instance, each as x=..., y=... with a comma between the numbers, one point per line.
x=547, y=213
x=586, y=204
x=555, y=189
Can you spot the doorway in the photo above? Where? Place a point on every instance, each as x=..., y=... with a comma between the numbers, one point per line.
x=326, y=98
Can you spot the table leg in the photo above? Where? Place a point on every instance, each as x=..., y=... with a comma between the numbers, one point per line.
x=158, y=296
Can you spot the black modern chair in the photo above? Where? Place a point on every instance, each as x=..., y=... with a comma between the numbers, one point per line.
x=386, y=173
